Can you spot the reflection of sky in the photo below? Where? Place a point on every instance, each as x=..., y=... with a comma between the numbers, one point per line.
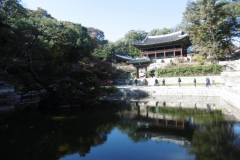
x=237, y=128
x=120, y=147
x=237, y=133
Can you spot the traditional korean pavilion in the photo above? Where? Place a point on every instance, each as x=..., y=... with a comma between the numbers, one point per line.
x=140, y=63
x=164, y=46
x=143, y=62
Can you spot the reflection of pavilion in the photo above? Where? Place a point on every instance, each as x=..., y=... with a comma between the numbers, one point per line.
x=163, y=123
x=165, y=137
x=162, y=127
x=147, y=119
x=163, y=132
x=172, y=139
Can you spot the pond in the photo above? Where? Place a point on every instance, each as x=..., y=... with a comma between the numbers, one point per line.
x=127, y=129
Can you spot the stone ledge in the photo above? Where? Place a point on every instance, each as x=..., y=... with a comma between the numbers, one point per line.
x=171, y=92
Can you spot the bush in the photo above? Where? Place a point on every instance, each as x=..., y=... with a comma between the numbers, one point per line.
x=133, y=74
x=201, y=59
x=213, y=69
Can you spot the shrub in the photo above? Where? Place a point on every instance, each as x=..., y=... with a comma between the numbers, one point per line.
x=133, y=74
x=201, y=59
x=213, y=69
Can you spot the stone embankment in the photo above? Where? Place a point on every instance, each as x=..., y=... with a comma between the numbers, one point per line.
x=214, y=97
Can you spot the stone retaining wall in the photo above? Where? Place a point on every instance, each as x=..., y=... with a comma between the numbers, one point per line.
x=231, y=78
x=185, y=96
x=168, y=90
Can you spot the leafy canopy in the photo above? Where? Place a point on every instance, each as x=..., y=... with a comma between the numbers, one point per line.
x=212, y=26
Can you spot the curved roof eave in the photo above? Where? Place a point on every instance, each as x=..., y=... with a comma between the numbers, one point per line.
x=175, y=37
x=149, y=44
x=122, y=56
x=139, y=60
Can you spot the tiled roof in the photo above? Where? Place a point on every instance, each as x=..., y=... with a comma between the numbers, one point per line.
x=131, y=60
x=122, y=56
x=172, y=37
x=139, y=60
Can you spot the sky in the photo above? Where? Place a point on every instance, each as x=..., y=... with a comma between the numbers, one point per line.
x=115, y=17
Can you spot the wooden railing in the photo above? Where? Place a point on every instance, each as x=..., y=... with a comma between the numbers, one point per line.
x=162, y=51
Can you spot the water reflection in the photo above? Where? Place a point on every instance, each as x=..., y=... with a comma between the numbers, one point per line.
x=196, y=131
x=38, y=135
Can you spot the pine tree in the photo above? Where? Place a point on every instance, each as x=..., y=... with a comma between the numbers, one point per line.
x=212, y=26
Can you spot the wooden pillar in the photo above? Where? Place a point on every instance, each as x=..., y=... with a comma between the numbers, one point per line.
x=147, y=111
x=164, y=52
x=137, y=72
x=181, y=51
x=146, y=72
x=138, y=108
x=157, y=114
x=174, y=54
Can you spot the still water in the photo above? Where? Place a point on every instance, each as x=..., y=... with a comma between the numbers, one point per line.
x=120, y=130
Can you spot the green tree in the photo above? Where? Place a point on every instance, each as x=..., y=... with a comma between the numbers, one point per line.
x=123, y=45
x=211, y=25
x=39, y=52
x=135, y=35
x=39, y=13
x=98, y=34
x=156, y=32
x=11, y=14
x=103, y=51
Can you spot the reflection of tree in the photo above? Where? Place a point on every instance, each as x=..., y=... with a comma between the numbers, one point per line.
x=32, y=135
x=200, y=116
x=215, y=141
x=127, y=125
